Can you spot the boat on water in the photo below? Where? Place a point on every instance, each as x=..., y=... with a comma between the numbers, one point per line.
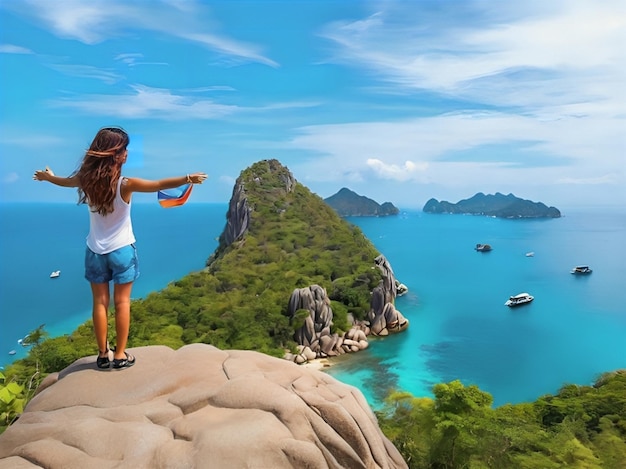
x=581, y=270
x=12, y=352
x=483, y=247
x=519, y=299
x=55, y=274
x=530, y=254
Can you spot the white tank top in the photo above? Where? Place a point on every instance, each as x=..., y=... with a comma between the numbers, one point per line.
x=112, y=231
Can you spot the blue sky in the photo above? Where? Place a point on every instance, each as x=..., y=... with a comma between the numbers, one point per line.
x=399, y=101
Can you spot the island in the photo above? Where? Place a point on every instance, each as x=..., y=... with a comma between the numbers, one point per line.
x=350, y=204
x=494, y=205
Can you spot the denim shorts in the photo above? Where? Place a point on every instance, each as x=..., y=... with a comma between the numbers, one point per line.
x=120, y=265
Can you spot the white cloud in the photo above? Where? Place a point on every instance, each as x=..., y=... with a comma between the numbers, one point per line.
x=229, y=47
x=27, y=139
x=13, y=49
x=10, y=178
x=86, y=71
x=129, y=58
x=404, y=172
x=133, y=59
x=98, y=20
x=534, y=56
x=607, y=179
x=416, y=139
x=541, y=81
x=144, y=102
x=147, y=103
x=449, y=150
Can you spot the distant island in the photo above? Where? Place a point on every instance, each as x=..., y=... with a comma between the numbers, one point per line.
x=498, y=205
x=350, y=204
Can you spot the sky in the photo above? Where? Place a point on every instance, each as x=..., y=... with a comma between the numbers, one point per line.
x=399, y=101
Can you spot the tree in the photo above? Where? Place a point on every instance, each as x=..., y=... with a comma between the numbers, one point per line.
x=460, y=412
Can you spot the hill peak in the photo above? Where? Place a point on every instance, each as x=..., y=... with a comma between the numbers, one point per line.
x=348, y=203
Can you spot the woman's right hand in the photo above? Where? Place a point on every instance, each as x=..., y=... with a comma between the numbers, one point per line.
x=42, y=174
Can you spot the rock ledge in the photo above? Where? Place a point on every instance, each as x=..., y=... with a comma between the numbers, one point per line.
x=196, y=407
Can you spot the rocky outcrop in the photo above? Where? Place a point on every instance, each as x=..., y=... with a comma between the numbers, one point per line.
x=383, y=315
x=314, y=337
x=315, y=302
x=196, y=407
x=238, y=218
x=498, y=205
x=240, y=209
x=401, y=288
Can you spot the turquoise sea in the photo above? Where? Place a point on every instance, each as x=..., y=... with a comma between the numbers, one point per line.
x=460, y=328
x=574, y=330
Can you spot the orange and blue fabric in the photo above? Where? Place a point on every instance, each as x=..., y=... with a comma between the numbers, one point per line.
x=169, y=198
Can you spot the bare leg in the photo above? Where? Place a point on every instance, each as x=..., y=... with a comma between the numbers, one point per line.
x=121, y=297
x=100, y=294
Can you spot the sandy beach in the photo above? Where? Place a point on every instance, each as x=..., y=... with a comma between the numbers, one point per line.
x=318, y=363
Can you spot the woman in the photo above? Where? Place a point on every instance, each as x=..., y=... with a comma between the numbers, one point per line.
x=111, y=254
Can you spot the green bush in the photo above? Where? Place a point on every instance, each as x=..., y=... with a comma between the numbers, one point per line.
x=12, y=401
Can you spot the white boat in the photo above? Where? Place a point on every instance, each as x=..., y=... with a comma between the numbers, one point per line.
x=55, y=274
x=483, y=247
x=12, y=352
x=581, y=269
x=520, y=299
x=530, y=254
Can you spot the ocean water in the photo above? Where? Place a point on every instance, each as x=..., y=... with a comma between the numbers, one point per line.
x=36, y=239
x=574, y=330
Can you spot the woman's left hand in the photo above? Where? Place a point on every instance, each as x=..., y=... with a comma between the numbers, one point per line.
x=198, y=178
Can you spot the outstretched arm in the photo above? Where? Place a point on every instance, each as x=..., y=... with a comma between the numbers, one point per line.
x=146, y=185
x=48, y=175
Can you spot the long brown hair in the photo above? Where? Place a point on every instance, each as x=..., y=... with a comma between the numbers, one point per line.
x=101, y=169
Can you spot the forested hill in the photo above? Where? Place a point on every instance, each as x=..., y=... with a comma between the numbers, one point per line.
x=278, y=236
x=496, y=205
x=350, y=204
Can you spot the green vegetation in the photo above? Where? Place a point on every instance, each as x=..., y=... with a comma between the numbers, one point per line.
x=580, y=427
x=19, y=386
x=12, y=401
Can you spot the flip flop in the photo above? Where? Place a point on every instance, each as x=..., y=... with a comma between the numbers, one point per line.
x=103, y=362
x=121, y=363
